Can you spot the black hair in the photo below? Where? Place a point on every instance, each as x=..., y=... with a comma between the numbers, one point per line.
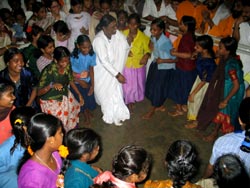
x=42, y=126
x=37, y=6
x=3, y=12
x=19, y=12
x=130, y=160
x=190, y=22
x=246, y=3
x=120, y=12
x=159, y=23
x=79, y=41
x=5, y=85
x=231, y=45
x=80, y=141
x=207, y=43
x=136, y=17
x=61, y=52
x=104, y=22
x=10, y=53
x=20, y=118
x=182, y=162
x=230, y=172
x=14, y=3
x=74, y=3
x=105, y=1
x=48, y=3
x=61, y=27
x=244, y=115
x=35, y=30
x=43, y=41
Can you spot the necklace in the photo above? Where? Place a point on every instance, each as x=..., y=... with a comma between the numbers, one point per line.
x=45, y=163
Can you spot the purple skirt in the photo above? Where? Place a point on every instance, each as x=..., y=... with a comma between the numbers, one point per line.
x=134, y=88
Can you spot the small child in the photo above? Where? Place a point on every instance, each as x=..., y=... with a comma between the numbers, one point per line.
x=130, y=166
x=13, y=148
x=7, y=98
x=161, y=71
x=62, y=33
x=44, y=162
x=18, y=26
x=83, y=59
x=205, y=66
x=83, y=145
x=182, y=164
x=46, y=44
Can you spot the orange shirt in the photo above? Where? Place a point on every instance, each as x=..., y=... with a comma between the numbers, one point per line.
x=186, y=8
x=5, y=128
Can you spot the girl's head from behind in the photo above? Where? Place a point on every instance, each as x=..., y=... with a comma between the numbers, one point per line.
x=205, y=43
x=187, y=24
x=182, y=162
x=230, y=172
x=227, y=47
x=134, y=21
x=157, y=27
x=20, y=120
x=33, y=33
x=244, y=119
x=62, y=31
x=45, y=129
x=83, y=144
x=7, y=96
x=46, y=44
x=83, y=45
x=131, y=164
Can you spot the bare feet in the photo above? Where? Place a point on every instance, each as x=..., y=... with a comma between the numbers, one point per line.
x=191, y=125
x=148, y=115
x=184, y=108
x=131, y=108
x=161, y=109
x=175, y=113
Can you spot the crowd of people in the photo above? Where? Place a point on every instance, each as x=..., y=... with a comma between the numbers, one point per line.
x=60, y=58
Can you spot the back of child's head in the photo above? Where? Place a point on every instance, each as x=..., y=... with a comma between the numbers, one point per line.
x=42, y=126
x=5, y=85
x=159, y=23
x=79, y=41
x=61, y=52
x=244, y=117
x=182, y=162
x=230, y=172
x=33, y=31
x=81, y=141
x=43, y=41
x=207, y=43
x=20, y=120
x=130, y=160
x=61, y=27
x=10, y=53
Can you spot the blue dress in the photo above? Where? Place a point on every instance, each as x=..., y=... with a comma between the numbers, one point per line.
x=79, y=175
x=9, y=163
x=80, y=64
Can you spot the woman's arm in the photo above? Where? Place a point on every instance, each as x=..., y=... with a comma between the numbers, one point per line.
x=32, y=96
x=91, y=74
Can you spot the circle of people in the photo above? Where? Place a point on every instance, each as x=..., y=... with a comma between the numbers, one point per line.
x=59, y=59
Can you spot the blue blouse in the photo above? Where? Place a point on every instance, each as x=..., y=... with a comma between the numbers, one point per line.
x=83, y=63
x=162, y=48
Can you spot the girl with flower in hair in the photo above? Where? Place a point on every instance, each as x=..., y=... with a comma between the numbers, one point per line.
x=130, y=166
x=83, y=145
x=43, y=162
x=13, y=148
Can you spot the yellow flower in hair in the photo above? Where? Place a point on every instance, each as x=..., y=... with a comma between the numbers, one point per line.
x=18, y=121
x=63, y=151
x=30, y=151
